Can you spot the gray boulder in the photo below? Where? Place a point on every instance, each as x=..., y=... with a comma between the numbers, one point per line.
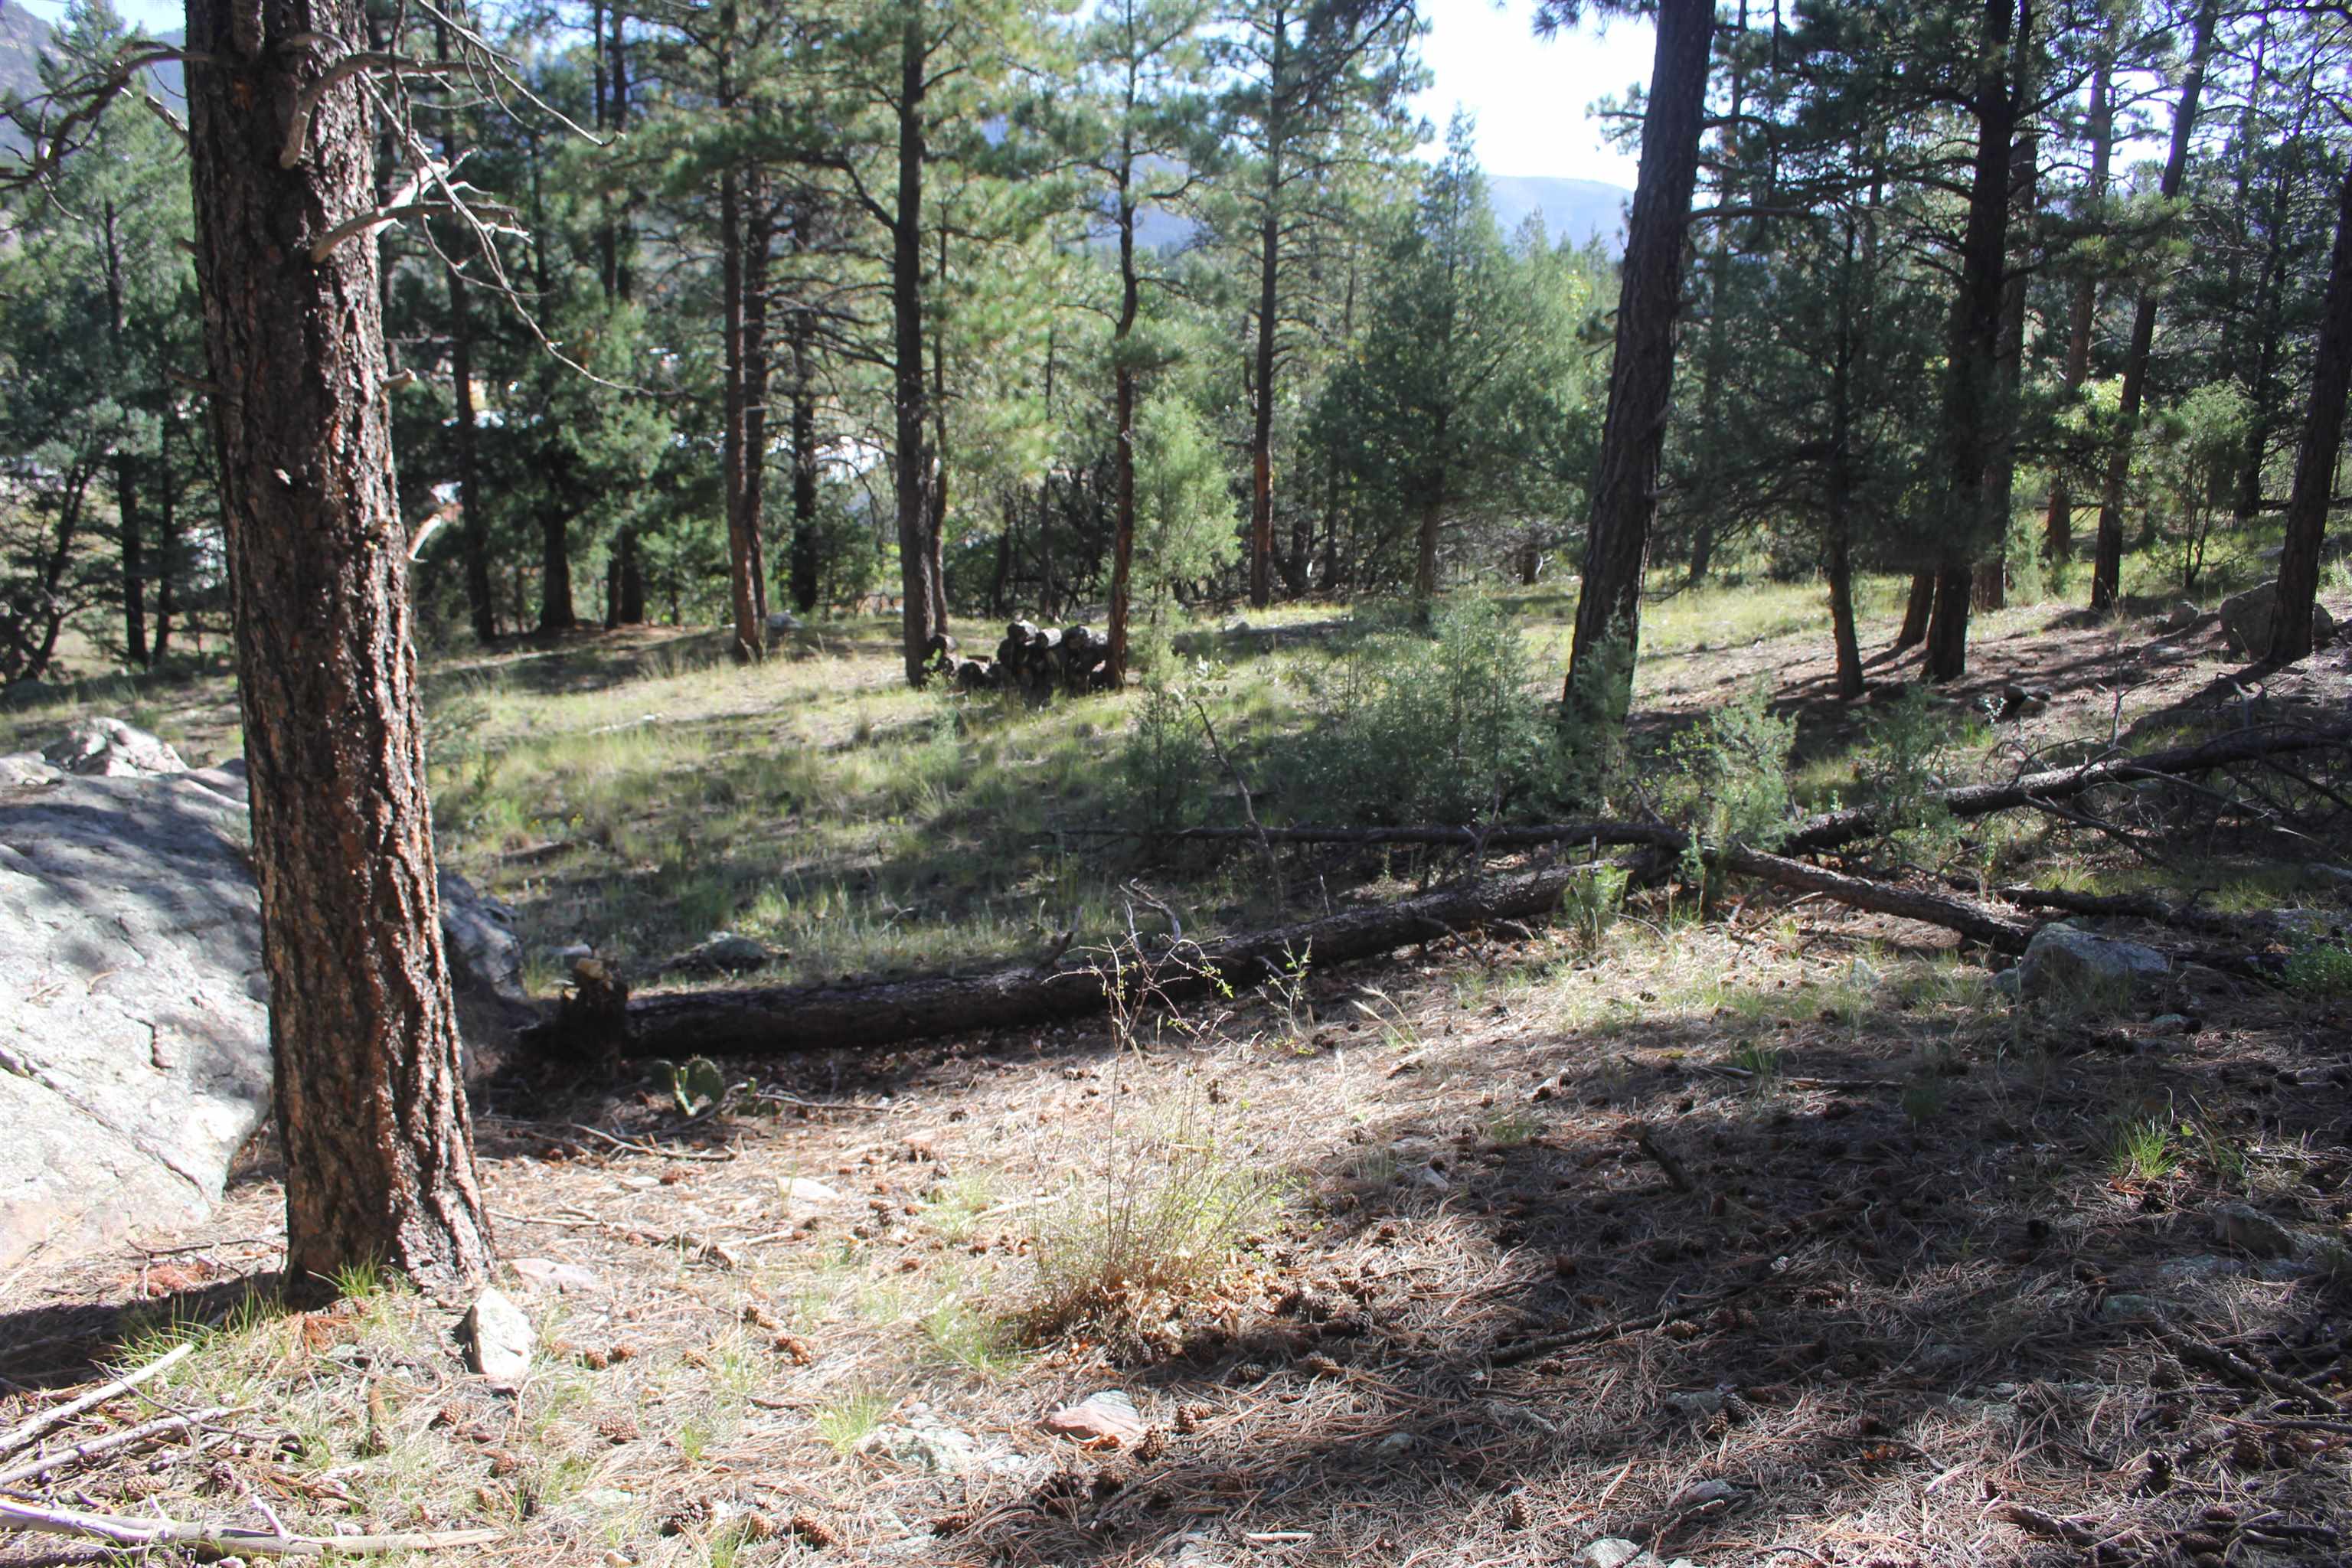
x=108, y=748
x=2246, y=620
x=2064, y=964
x=724, y=952
x=134, y=1030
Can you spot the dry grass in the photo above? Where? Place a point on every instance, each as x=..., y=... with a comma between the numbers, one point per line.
x=1471, y=1323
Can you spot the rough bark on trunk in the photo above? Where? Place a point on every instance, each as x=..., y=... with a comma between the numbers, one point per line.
x=1641, y=377
x=2323, y=439
x=804, y=553
x=911, y=461
x=2001, y=480
x=1972, y=413
x=2107, y=555
x=1262, y=391
x=167, y=542
x=735, y=456
x=1915, y=610
x=2058, y=529
x=371, y=1108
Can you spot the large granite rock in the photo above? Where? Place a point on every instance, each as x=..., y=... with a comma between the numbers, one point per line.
x=134, y=1032
x=2071, y=964
x=2246, y=620
x=108, y=748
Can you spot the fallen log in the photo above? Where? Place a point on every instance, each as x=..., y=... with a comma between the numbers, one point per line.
x=776, y=1019
x=769, y=1019
x=1972, y=919
x=1830, y=829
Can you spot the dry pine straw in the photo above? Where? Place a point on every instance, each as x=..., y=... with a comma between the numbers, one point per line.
x=1899, y=1348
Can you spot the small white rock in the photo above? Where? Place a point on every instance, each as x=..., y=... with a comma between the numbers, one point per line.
x=499, y=1338
x=1109, y=1416
x=564, y=1279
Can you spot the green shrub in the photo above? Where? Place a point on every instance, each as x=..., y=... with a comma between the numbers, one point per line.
x=1902, y=771
x=1165, y=767
x=1437, y=726
x=2320, y=969
x=1593, y=901
x=1726, y=778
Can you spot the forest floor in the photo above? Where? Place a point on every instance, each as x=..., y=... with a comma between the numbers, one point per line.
x=1770, y=1233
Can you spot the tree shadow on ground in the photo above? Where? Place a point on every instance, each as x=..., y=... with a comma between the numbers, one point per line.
x=1900, y=1292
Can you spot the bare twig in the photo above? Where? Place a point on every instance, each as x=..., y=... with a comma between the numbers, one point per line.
x=12, y=1441
x=1521, y=1351
x=1646, y=1139
x=637, y=1148
x=222, y=1539
x=127, y=1438
x=2049, y=1526
x=1249, y=808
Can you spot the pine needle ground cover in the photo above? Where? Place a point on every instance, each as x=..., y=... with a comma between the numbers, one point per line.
x=1759, y=1233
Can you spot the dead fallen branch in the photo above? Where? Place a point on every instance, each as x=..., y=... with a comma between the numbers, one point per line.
x=1521, y=1351
x=1834, y=828
x=2244, y=1372
x=821, y=1017
x=1972, y=919
x=824, y=1018
x=1828, y=830
x=221, y=1539
x=2049, y=1526
x=129, y=1436
x=2127, y=906
x=13, y=1440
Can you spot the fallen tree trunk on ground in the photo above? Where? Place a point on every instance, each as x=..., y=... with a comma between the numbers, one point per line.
x=1830, y=829
x=757, y=1021
x=770, y=1020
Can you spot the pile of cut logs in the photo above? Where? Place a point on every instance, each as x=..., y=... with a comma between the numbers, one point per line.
x=1030, y=659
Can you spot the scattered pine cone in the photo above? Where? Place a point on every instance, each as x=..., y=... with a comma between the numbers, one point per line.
x=815, y=1531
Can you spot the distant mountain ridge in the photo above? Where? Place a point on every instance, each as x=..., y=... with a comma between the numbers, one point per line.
x=1578, y=210
x=22, y=36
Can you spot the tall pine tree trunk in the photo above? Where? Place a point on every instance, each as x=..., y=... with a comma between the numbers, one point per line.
x=2058, y=528
x=917, y=566
x=1973, y=416
x=1122, y=552
x=372, y=1115
x=2000, y=481
x=2107, y=558
x=1641, y=378
x=167, y=540
x=2323, y=441
x=805, y=563
x=129, y=531
x=1262, y=389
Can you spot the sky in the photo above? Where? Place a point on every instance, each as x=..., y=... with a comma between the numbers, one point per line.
x=1531, y=97
x=1528, y=97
